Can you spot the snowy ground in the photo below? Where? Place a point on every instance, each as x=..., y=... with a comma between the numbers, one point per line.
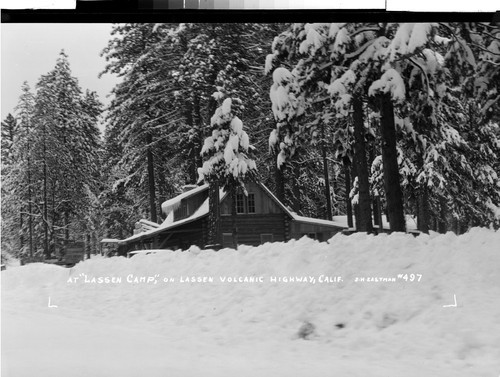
x=376, y=329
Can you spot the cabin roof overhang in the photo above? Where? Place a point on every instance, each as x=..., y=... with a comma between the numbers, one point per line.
x=164, y=229
x=169, y=225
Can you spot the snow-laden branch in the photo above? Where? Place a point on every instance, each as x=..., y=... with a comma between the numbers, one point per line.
x=227, y=147
x=423, y=74
x=390, y=82
x=360, y=50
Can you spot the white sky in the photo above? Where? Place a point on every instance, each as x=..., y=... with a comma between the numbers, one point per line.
x=31, y=50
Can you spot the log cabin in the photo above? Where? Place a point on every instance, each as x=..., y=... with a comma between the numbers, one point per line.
x=260, y=218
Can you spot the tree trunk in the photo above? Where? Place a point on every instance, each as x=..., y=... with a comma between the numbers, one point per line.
x=53, y=222
x=355, y=208
x=328, y=195
x=443, y=215
x=87, y=244
x=45, y=209
x=30, y=209
x=66, y=228
x=327, y=184
x=392, y=184
x=375, y=211
x=95, y=243
x=21, y=233
x=151, y=179
x=193, y=173
x=162, y=183
x=296, y=189
x=365, y=216
x=423, y=210
x=456, y=227
x=379, y=214
x=279, y=182
x=198, y=124
x=214, y=216
x=234, y=225
x=347, y=173
x=333, y=182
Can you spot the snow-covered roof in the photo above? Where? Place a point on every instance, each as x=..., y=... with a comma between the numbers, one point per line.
x=341, y=221
x=146, y=251
x=164, y=227
x=173, y=204
x=310, y=220
x=110, y=240
x=148, y=223
x=169, y=223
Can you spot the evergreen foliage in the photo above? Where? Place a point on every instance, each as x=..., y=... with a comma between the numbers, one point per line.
x=393, y=118
x=53, y=176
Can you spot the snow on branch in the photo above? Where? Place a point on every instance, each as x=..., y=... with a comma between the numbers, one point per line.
x=390, y=82
x=314, y=40
x=284, y=94
x=227, y=148
x=408, y=39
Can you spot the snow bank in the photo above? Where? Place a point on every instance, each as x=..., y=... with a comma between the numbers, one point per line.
x=300, y=300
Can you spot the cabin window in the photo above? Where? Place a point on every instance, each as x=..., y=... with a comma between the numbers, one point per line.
x=240, y=203
x=266, y=237
x=251, y=203
x=245, y=203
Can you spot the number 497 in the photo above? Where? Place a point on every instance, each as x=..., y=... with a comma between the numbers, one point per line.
x=410, y=277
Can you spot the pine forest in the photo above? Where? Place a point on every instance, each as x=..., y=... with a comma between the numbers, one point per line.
x=369, y=120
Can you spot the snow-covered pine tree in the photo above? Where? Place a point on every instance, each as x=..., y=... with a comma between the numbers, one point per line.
x=287, y=141
x=9, y=130
x=133, y=140
x=10, y=213
x=228, y=162
x=472, y=63
x=381, y=60
x=65, y=144
x=17, y=198
x=118, y=210
x=224, y=58
x=172, y=70
x=318, y=97
x=435, y=151
x=89, y=152
x=143, y=119
x=437, y=65
x=129, y=112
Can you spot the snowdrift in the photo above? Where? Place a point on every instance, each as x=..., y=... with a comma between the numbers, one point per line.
x=356, y=305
